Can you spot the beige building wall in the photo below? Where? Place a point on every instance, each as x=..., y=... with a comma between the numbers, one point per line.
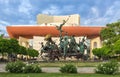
x=73, y=20
x=95, y=43
x=23, y=42
x=36, y=42
x=42, y=18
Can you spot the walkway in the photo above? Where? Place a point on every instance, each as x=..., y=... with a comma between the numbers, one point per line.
x=79, y=69
x=56, y=69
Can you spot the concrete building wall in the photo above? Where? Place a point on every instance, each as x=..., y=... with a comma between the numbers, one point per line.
x=42, y=18
x=23, y=42
x=36, y=42
x=73, y=20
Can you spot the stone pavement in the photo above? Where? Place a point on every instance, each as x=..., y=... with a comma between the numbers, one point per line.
x=79, y=69
x=2, y=67
x=56, y=69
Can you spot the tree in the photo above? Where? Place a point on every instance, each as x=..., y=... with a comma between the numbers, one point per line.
x=33, y=52
x=9, y=46
x=97, y=52
x=13, y=49
x=4, y=46
x=111, y=33
x=22, y=50
x=110, y=36
x=1, y=34
x=102, y=53
x=13, y=46
x=117, y=47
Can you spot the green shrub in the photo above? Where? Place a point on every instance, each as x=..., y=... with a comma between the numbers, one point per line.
x=37, y=69
x=68, y=68
x=20, y=67
x=15, y=67
x=32, y=68
x=110, y=67
x=28, y=69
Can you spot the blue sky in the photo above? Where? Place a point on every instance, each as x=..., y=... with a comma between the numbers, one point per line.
x=92, y=12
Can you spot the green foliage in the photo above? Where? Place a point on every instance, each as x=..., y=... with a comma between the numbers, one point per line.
x=4, y=46
x=110, y=67
x=9, y=46
x=117, y=47
x=111, y=34
x=13, y=46
x=22, y=50
x=1, y=35
x=32, y=52
x=107, y=50
x=20, y=67
x=107, y=33
x=97, y=52
x=103, y=52
x=56, y=75
x=15, y=67
x=68, y=68
x=32, y=68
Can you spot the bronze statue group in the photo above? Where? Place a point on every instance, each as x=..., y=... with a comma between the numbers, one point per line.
x=67, y=46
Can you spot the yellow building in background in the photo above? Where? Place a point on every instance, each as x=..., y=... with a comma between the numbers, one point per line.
x=43, y=19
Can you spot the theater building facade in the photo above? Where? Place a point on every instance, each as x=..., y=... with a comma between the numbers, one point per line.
x=32, y=36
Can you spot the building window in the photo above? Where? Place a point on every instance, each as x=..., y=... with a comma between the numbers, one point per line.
x=95, y=44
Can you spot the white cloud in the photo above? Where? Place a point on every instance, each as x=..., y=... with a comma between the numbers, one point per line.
x=95, y=11
x=4, y=22
x=53, y=10
x=25, y=7
x=112, y=14
x=95, y=21
x=3, y=25
x=3, y=29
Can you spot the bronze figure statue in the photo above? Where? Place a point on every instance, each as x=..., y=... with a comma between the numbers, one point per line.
x=59, y=28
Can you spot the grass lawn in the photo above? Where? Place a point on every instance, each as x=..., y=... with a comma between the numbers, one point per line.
x=55, y=75
x=76, y=63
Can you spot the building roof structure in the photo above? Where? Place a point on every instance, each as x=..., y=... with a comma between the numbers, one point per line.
x=30, y=31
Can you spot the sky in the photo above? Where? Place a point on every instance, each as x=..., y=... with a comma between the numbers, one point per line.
x=92, y=12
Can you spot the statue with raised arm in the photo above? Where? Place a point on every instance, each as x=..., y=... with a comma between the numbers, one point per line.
x=59, y=28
